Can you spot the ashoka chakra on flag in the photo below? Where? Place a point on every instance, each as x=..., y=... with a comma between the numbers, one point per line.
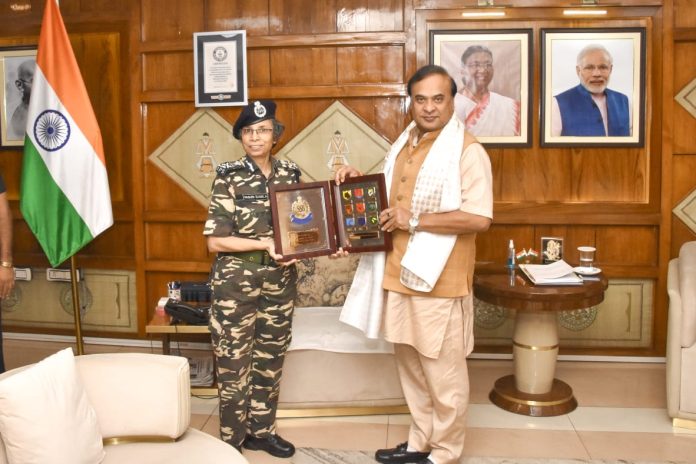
x=51, y=130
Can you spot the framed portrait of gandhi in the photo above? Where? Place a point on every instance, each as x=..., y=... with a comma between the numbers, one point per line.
x=17, y=65
x=492, y=71
x=303, y=220
x=593, y=89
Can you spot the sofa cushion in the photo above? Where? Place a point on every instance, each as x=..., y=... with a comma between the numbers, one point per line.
x=45, y=415
x=687, y=288
x=687, y=390
x=153, y=388
x=193, y=447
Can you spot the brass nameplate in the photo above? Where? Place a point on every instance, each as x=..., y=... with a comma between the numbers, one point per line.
x=303, y=237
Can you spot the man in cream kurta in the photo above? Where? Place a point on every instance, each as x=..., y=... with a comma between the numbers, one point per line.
x=434, y=215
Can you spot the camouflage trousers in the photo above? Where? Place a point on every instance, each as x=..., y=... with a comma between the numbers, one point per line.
x=250, y=324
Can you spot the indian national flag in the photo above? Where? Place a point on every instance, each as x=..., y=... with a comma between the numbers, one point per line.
x=65, y=190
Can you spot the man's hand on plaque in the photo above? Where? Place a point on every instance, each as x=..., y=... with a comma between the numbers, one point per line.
x=344, y=172
x=340, y=253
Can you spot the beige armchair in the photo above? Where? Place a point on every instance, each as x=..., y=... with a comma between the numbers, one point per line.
x=142, y=406
x=681, y=338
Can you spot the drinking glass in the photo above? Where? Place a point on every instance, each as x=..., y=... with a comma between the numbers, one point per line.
x=587, y=256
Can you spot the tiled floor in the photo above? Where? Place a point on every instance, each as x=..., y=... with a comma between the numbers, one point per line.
x=621, y=415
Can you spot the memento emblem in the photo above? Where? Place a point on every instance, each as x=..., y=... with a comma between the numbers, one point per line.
x=301, y=212
x=259, y=109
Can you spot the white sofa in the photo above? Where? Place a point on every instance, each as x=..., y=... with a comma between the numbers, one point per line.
x=332, y=368
x=681, y=338
x=142, y=406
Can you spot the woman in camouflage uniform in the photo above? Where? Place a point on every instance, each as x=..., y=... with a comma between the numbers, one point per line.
x=253, y=294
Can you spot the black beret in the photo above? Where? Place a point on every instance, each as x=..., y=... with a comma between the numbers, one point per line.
x=255, y=111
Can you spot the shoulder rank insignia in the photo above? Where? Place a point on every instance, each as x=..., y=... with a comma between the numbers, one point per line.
x=290, y=166
x=229, y=166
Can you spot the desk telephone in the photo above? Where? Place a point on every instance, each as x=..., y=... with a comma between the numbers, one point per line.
x=182, y=312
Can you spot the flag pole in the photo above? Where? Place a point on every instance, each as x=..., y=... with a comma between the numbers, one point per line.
x=76, y=305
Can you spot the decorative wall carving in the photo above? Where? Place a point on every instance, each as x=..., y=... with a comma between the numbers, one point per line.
x=318, y=148
x=107, y=300
x=190, y=155
x=687, y=97
x=686, y=210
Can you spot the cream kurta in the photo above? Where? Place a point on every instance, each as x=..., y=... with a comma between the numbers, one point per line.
x=423, y=322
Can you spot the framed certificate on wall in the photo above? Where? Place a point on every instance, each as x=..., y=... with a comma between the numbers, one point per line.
x=219, y=60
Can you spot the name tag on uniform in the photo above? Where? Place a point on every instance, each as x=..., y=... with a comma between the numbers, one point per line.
x=251, y=196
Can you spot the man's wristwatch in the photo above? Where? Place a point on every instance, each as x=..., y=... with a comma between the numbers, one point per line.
x=413, y=223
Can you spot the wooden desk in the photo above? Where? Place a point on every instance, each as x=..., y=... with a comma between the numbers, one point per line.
x=161, y=324
x=532, y=389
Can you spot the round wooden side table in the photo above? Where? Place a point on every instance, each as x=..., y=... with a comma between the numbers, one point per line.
x=532, y=390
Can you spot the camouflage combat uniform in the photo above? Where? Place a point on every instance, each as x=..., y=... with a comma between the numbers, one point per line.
x=252, y=308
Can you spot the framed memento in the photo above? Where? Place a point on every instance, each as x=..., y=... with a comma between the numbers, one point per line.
x=357, y=204
x=303, y=220
x=593, y=87
x=492, y=70
x=219, y=60
x=551, y=249
x=17, y=66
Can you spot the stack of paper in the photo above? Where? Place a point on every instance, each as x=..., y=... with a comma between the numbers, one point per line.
x=556, y=273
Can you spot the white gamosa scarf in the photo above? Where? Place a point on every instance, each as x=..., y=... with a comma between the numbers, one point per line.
x=437, y=189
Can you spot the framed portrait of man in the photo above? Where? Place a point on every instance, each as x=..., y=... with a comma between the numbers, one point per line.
x=492, y=71
x=17, y=65
x=593, y=87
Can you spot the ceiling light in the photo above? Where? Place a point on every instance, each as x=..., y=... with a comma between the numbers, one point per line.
x=584, y=12
x=484, y=14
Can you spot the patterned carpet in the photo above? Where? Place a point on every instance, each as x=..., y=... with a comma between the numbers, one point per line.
x=323, y=456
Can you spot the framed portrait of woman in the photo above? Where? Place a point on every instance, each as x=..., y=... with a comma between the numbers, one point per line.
x=492, y=72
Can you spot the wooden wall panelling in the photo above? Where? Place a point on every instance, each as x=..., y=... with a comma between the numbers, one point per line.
x=683, y=183
x=302, y=16
x=684, y=15
x=259, y=67
x=680, y=234
x=684, y=122
x=609, y=175
x=250, y=15
x=168, y=71
x=628, y=246
x=378, y=64
x=177, y=241
x=386, y=115
x=369, y=15
x=289, y=66
x=171, y=19
x=538, y=175
x=70, y=8
x=492, y=245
